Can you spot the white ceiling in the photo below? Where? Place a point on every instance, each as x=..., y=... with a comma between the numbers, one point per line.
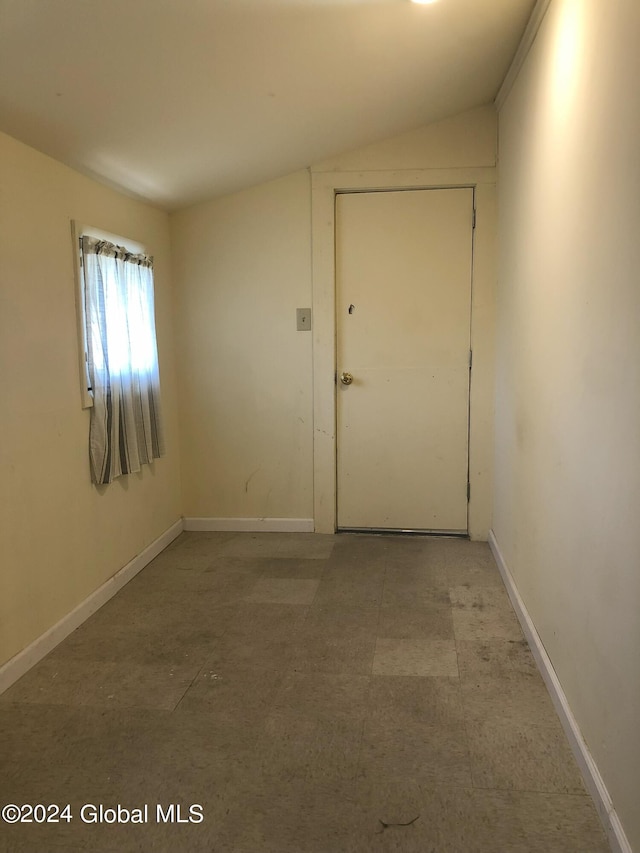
x=179, y=100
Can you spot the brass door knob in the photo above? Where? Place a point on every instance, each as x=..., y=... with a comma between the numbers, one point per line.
x=346, y=378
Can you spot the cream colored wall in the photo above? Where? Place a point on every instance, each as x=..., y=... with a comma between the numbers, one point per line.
x=567, y=481
x=464, y=140
x=242, y=264
x=61, y=536
x=458, y=151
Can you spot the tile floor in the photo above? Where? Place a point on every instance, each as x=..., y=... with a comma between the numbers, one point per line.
x=314, y=694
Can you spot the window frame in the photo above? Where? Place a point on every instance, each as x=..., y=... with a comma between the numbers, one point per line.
x=79, y=230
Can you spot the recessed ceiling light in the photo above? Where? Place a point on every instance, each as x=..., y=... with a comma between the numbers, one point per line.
x=423, y=2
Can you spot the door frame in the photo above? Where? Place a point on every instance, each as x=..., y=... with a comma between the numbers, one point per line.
x=325, y=186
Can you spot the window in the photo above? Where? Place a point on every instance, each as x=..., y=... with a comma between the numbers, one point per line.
x=120, y=360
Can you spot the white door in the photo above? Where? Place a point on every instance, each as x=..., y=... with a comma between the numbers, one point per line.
x=403, y=302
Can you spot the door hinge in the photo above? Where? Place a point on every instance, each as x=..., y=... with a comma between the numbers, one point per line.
x=468, y=492
x=470, y=358
x=473, y=220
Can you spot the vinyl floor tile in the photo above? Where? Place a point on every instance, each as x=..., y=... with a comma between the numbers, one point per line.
x=482, y=613
x=178, y=560
x=229, y=691
x=169, y=607
x=252, y=545
x=453, y=553
x=558, y=823
x=260, y=651
x=479, y=599
x=269, y=590
x=433, y=621
x=280, y=817
x=343, y=568
x=314, y=546
x=471, y=573
x=413, y=702
x=464, y=820
x=152, y=779
x=260, y=545
x=82, y=746
x=520, y=697
x=225, y=565
x=338, y=652
x=318, y=694
x=310, y=748
x=284, y=567
x=420, y=573
x=495, y=657
x=415, y=657
x=336, y=639
x=390, y=800
x=207, y=542
x=169, y=640
x=370, y=554
x=208, y=588
x=107, y=685
x=342, y=617
x=349, y=591
x=414, y=593
x=426, y=753
x=508, y=755
x=252, y=619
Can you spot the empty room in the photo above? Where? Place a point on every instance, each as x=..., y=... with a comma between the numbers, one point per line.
x=320, y=456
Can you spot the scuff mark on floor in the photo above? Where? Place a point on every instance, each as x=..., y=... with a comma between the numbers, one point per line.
x=385, y=825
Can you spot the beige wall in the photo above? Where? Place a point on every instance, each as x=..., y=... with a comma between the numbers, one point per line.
x=567, y=483
x=242, y=264
x=61, y=536
x=464, y=140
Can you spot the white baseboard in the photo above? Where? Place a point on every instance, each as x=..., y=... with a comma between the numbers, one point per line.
x=21, y=663
x=240, y=525
x=591, y=774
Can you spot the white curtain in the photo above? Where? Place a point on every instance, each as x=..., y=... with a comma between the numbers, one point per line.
x=126, y=429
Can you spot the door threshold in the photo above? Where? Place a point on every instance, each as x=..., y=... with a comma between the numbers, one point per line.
x=396, y=531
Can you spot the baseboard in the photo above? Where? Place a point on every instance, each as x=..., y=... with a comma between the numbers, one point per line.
x=21, y=663
x=591, y=774
x=240, y=525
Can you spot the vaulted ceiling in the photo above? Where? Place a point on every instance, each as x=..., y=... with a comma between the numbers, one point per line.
x=179, y=100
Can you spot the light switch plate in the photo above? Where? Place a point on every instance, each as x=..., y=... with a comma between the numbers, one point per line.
x=303, y=319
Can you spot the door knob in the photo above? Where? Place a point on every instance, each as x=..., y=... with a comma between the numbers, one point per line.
x=346, y=378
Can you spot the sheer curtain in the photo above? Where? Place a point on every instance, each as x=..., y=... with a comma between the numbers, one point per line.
x=122, y=357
